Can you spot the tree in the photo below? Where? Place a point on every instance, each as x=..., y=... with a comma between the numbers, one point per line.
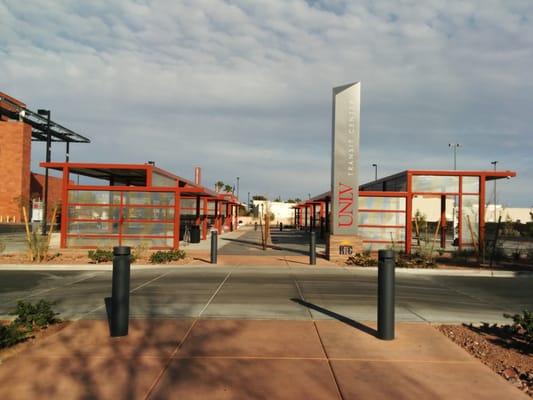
x=228, y=188
x=218, y=186
x=278, y=199
x=259, y=198
x=291, y=201
x=297, y=200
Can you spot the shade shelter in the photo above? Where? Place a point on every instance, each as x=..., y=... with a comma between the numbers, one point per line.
x=387, y=208
x=136, y=204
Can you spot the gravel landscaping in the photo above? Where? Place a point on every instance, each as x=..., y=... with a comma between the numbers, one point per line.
x=507, y=354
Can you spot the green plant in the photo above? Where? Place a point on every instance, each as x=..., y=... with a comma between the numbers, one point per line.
x=161, y=257
x=38, y=246
x=2, y=247
x=522, y=324
x=100, y=255
x=38, y=315
x=362, y=260
x=10, y=335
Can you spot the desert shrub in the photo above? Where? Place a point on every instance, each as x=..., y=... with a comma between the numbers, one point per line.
x=38, y=315
x=100, y=255
x=415, y=260
x=37, y=246
x=522, y=324
x=10, y=335
x=139, y=251
x=161, y=257
x=362, y=260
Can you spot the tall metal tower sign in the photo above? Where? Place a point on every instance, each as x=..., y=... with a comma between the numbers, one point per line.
x=345, y=161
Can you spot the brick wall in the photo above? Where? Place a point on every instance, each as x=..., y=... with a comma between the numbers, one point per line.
x=54, y=190
x=15, y=155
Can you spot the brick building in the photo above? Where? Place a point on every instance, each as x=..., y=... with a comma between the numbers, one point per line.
x=18, y=185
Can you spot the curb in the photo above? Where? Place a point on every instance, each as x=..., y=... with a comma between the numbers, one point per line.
x=399, y=271
x=451, y=272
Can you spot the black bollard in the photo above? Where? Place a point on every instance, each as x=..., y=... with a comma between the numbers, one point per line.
x=120, y=293
x=312, y=248
x=214, y=237
x=386, y=264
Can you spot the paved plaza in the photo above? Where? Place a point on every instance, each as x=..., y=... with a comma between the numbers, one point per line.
x=251, y=330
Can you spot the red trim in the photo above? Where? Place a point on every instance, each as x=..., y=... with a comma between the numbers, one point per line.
x=380, y=226
x=408, y=214
x=460, y=214
x=64, y=208
x=481, y=229
x=381, y=211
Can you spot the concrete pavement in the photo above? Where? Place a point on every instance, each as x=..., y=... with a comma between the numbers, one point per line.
x=268, y=293
x=248, y=359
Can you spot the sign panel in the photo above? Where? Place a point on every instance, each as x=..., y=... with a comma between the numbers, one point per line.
x=345, y=159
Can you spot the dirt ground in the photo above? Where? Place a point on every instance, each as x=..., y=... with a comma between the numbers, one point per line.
x=508, y=355
x=32, y=340
x=75, y=256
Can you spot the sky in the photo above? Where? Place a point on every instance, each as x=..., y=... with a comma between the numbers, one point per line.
x=243, y=88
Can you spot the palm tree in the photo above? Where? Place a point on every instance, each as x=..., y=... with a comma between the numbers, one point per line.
x=218, y=186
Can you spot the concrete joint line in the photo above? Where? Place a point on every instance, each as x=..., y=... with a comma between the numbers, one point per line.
x=324, y=352
x=214, y=294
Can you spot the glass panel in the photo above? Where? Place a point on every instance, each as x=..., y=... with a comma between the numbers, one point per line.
x=93, y=197
x=102, y=228
x=107, y=243
x=165, y=214
x=147, y=228
x=470, y=184
x=188, y=203
x=382, y=203
x=428, y=183
x=470, y=219
x=93, y=212
x=162, y=180
x=381, y=218
x=149, y=198
x=388, y=234
x=150, y=242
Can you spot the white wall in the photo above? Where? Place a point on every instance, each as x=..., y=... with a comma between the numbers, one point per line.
x=283, y=212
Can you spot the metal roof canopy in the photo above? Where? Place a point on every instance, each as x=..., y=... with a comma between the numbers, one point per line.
x=129, y=175
x=14, y=109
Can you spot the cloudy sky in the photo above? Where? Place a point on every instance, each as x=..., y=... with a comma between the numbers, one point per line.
x=243, y=88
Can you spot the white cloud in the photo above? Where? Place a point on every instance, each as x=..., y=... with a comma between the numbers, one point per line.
x=244, y=88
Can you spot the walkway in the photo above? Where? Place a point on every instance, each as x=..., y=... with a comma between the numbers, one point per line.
x=229, y=359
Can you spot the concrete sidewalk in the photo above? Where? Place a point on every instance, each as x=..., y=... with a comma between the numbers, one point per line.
x=246, y=359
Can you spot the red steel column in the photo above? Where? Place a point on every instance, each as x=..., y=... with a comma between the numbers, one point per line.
x=204, y=221
x=481, y=233
x=64, y=208
x=408, y=214
x=460, y=214
x=177, y=219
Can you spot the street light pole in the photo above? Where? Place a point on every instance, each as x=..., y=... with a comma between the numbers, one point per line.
x=238, y=187
x=494, y=202
x=375, y=171
x=48, y=158
x=455, y=146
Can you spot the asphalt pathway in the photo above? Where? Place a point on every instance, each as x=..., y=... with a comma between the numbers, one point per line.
x=271, y=293
x=284, y=243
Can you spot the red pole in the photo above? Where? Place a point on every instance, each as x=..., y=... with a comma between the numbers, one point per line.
x=204, y=222
x=64, y=208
